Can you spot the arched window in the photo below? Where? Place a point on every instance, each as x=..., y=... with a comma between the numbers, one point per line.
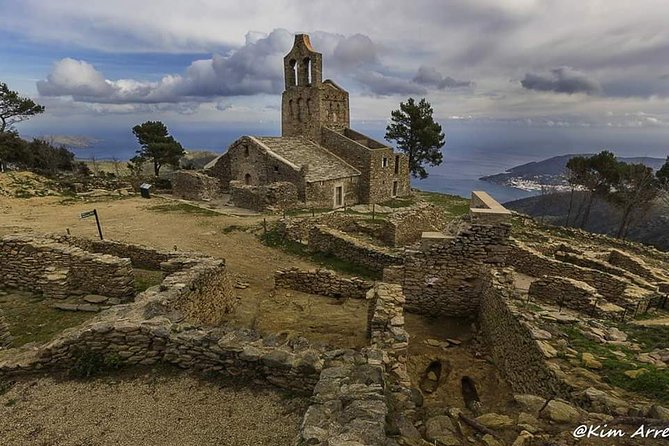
x=246, y=150
x=307, y=70
x=247, y=178
x=293, y=72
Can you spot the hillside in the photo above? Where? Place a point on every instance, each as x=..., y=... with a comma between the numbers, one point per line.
x=550, y=172
x=652, y=229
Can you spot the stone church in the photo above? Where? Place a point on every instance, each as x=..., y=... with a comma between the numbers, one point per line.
x=318, y=156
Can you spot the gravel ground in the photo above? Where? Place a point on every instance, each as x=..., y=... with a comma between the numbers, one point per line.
x=137, y=408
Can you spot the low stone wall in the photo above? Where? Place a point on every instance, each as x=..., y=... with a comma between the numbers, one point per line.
x=601, y=265
x=322, y=282
x=444, y=277
x=5, y=335
x=191, y=185
x=282, y=195
x=513, y=348
x=343, y=246
x=531, y=262
x=55, y=269
x=406, y=226
x=149, y=331
x=634, y=265
x=484, y=209
x=140, y=256
x=573, y=294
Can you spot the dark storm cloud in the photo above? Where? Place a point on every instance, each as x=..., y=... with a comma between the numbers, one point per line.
x=561, y=80
x=429, y=76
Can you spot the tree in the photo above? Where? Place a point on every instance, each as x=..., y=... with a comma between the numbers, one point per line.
x=596, y=174
x=14, y=108
x=635, y=190
x=13, y=149
x=157, y=145
x=417, y=134
x=662, y=175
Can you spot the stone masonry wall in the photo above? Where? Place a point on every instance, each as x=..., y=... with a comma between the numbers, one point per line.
x=322, y=282
x=634, y=265
x=260, y=198
x=574, y=294
x=55, y=269
x=345, y=247
x=406, y=226
x=510, y=339
x=191, y=185
x=444, y=278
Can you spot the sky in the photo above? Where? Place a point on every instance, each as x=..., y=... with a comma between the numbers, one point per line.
x=579, y=72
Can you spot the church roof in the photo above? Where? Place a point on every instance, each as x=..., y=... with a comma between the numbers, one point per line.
x=321, y=163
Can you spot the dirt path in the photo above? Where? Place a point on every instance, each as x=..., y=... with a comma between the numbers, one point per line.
x=142, y=407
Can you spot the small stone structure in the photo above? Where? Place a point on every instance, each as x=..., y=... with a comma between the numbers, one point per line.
x=43, y=265
x=322, y=282
x=343, y=246
x=574, y=294
x=444, y=278
x=277, y=195
x=406, y=226
x=191, y=185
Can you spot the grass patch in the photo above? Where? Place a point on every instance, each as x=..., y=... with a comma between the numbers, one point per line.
x=396, y=203
x=649, y=337
x=30, y=319
x=452, y=204
x=274, y=240
x=146, y=278
x=298, y=212
x=652, y=384
x=183, y=208
x=233, y=228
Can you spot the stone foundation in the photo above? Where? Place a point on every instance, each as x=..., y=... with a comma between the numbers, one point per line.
x=56, y=270
x=322, y=282
x=191, y=185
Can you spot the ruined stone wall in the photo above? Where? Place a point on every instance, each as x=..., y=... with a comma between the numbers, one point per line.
x=345, y=247
x=322, y=282
x=282, y=195
x=601, y=265
x=321, y=194
x=45, y=266
x=529, y=261
x=513, y=348
x=485, y=209
x=574, y=294
x=140, y=256
x=633, y=264
x=148, y=331
x=406, y=226
x=191, y=185
x=221, y=170
x=444, y=278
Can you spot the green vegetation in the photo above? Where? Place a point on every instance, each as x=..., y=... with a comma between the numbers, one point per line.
x=146, y=278
x=396, y=203
x=30, y=319
x=275, y=240
x=452, y=204
x=183, y=208
x=654, y=383
x=88, y=363
x=233, y=228
x=157, y=147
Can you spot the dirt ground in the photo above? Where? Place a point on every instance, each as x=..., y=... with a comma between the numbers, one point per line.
x=160, y=407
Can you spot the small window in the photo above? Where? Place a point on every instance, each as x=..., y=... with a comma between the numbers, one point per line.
x=247, y=179
x=395, y=186
x=276, y=168
x=384, y=162
x=397, y=164
x=246, y=150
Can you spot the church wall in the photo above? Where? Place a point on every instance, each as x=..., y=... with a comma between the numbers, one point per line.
x=300, y=112
x=334, y=109
x=381, y=178
x=321, y=194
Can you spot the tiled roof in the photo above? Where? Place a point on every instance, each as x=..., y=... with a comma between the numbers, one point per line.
x=322, y=164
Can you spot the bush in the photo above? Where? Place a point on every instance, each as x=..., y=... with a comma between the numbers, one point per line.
x=88, y=363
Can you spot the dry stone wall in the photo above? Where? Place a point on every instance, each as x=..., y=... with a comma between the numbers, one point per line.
x=191, y=185
x=322, y=282
x=574, y=294
x=343, y=246
x=634, y=265
x=406, y=226
x=261, y=198
x=510, y=338
x=444, y=277
x=55, y=269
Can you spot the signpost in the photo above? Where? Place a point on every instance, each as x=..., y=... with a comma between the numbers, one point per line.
x=94, y=213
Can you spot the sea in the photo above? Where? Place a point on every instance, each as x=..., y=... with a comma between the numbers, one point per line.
x=471, y=151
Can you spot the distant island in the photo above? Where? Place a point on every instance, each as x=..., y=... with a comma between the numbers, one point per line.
x=551, y=172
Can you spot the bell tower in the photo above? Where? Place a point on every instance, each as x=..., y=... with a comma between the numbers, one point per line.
x=300, y=107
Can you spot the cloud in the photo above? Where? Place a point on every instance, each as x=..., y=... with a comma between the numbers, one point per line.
x=355, y=50
x=384, y=85
x=75, y=78
x=561, y=80
x=429, y=76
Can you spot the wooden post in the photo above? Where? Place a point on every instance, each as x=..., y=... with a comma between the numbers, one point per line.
x=97, y=221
